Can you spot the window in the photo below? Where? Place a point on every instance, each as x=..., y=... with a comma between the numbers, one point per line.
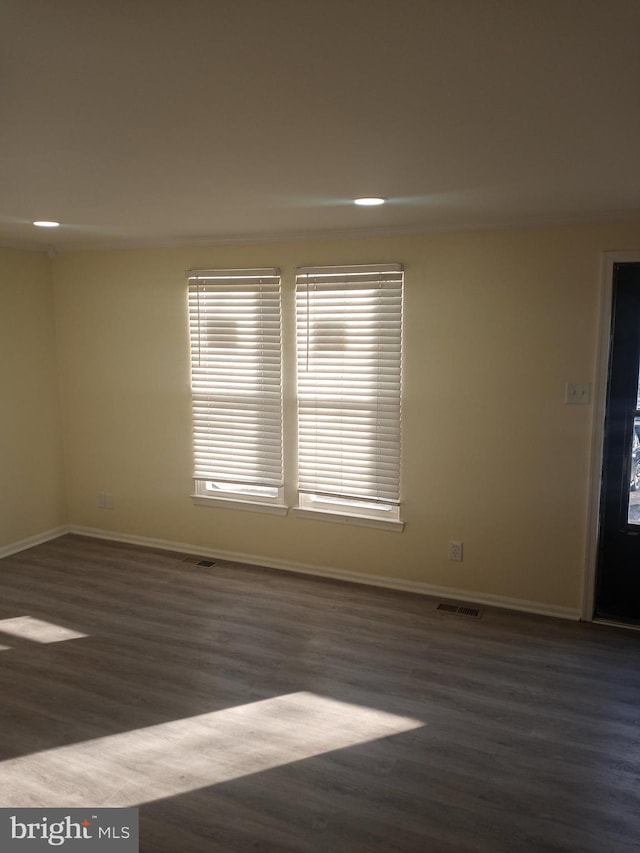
x=234, y=322
x=349, y=352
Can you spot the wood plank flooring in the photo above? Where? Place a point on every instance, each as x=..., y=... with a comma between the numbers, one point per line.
x=245, y=709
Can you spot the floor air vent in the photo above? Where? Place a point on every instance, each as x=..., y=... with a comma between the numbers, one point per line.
x=459, y=610
x=199, y=561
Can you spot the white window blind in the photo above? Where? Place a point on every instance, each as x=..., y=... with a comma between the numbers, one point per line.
x=234, y=321
x=349, y=356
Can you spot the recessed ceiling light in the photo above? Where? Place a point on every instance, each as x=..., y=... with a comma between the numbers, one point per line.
x=46, y=223
x=369, y=202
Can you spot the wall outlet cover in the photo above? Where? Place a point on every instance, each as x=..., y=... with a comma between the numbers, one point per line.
x=455, y=550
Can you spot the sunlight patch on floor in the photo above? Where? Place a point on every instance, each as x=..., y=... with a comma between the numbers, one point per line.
x=173, y=758
x=36, y=630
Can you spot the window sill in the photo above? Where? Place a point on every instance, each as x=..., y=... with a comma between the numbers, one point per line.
x=346, y=518
x=247, y=506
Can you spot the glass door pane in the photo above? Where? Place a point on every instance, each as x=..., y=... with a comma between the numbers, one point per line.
x=634, y=477
x=633, y=513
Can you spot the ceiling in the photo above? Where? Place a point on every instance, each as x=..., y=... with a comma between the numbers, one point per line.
x=154, y=122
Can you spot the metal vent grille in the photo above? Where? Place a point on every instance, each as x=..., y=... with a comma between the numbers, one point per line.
x=199, y=561
x=459, y=610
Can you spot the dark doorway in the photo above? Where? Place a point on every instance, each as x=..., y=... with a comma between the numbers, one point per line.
x=618, y=576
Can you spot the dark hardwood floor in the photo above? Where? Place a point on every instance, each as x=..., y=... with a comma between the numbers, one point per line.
x=245, y=709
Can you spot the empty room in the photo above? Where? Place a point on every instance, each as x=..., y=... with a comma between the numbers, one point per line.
x=320, y=433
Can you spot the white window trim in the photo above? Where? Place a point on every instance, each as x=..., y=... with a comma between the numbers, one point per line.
x=236, y=500
x=247, y=506
x=347, y=518
x=334, y=512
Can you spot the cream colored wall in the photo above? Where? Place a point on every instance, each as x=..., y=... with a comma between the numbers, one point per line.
x=496, y=323
x=31, y=475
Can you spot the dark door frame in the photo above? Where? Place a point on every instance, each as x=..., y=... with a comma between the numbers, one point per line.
x=597, y=443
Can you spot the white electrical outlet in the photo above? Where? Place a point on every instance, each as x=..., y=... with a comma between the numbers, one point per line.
x=105, y=500
x=455, y=550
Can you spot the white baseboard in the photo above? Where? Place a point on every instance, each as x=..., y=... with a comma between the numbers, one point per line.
x=337, y=574
x=23, y=544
